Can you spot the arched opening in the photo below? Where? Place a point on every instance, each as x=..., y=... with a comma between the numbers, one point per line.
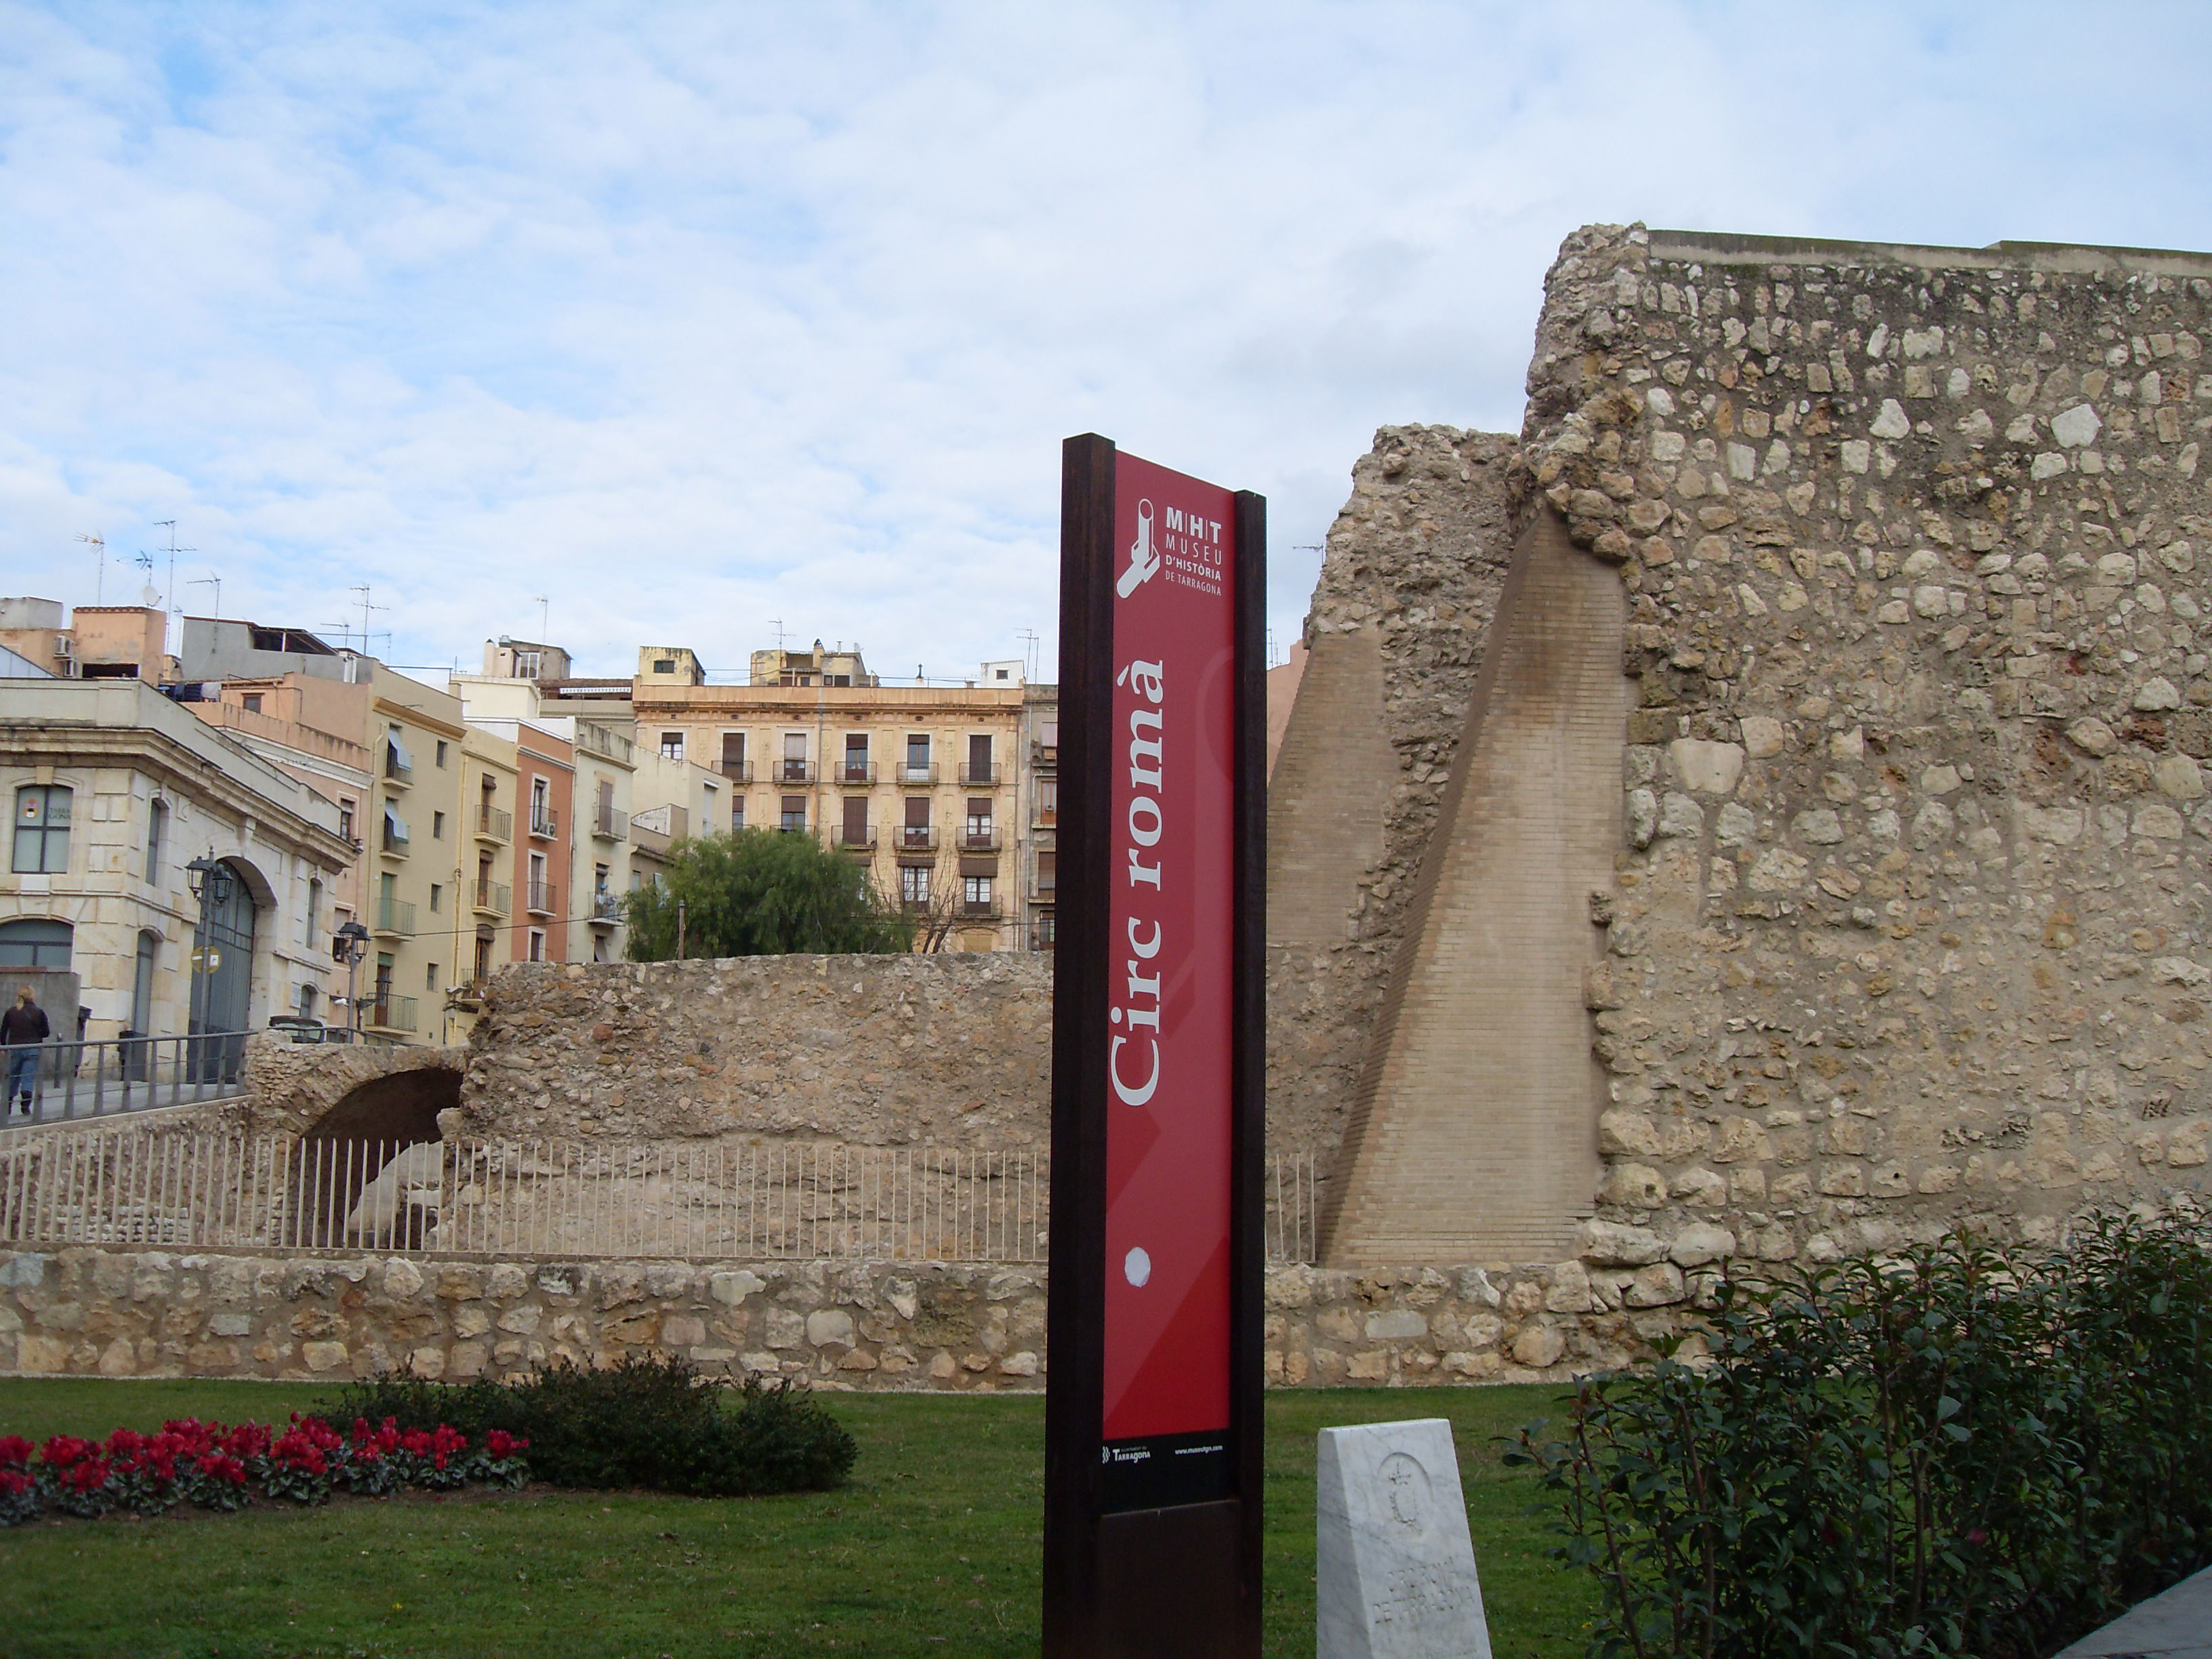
x=222, y=950
x=371, y=1170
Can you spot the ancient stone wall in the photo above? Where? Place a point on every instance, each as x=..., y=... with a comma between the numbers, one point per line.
x=834, y=1325
x=1408, y=586
x=951, y=1050
x=1908, y=923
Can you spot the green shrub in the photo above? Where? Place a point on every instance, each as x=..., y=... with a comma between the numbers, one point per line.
x=655, y=1423
x=1947, y=1452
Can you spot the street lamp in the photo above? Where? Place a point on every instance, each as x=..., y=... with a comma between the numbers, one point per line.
x=211, y=881
x=349, y=944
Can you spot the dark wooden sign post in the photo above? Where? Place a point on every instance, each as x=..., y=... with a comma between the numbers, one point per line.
x=1153, y=1432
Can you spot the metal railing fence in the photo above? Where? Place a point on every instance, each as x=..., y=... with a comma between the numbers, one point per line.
x=77, y=1079
x=237, y=1189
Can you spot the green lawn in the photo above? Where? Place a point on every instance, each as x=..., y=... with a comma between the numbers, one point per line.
x=931, y=1549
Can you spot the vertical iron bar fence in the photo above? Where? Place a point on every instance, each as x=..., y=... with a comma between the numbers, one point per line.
x=201, y=1188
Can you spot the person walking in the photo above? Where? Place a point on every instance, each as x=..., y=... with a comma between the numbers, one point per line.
x=23, y=1029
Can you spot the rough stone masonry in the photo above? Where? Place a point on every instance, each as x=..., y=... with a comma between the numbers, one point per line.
x=1900, y=919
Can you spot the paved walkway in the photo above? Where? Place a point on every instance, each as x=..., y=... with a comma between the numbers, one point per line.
x=2175, y=1625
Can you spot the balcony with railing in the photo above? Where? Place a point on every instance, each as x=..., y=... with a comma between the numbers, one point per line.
x=977, y=910
x=914, y=838
x=495, y=898
x=1045, y=757
x=737, y=771
x=537, y=896
x=394, y=843
x=390, y=1013
x=849, y=839
x=791, y=771
x=854, y=774
x=546, y=824
x=606, y=909
x=494, y=824
x=977, y=776
x=396, y=772
x=608, y=824
x=395, y=917
x=917, y=775
x=979, y=837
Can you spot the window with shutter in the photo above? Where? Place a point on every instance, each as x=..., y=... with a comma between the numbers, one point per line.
x=979, y=758
x=794, y=813
x=856, y=821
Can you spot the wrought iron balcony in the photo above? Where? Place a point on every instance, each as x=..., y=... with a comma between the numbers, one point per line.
x=914, y=838
x=494, y=824
x=606, y=909
x=545, y=825
x=862, y=840
x=495, y=897
x=538, y=897
x=792, y=771
x=395, y=917
x=855, y=773
x=973, y=840
x=977, y=776
x=390, y=1013
x=737, y=771
x=608, y=824
x=916, y=774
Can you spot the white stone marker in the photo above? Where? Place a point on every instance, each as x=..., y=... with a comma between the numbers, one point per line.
x=1395, y=1566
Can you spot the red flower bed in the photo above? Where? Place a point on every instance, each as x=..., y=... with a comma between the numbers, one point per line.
x=217, y=1468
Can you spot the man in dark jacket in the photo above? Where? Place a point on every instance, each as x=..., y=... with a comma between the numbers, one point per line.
x=23, y=1029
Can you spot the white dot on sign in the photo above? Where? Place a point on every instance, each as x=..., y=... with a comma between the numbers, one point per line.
x=1113, y=1014
x=1137, y=1267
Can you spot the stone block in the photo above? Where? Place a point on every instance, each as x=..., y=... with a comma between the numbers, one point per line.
x=1394, y=1565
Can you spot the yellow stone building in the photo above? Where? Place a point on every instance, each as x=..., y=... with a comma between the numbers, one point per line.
x=949, y=794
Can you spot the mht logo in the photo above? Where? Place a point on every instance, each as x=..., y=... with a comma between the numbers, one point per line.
x=1187, y=533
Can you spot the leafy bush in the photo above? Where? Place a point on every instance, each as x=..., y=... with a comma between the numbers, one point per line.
x=655, y=1423
x=762, y=893
x=1947, y=1452
x=215, y=1467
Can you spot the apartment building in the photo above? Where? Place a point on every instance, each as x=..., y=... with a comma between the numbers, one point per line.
x=414, y=839
x=483, y=934
x=116, y=793
x=94, y=642
x=542, y=864
x=937, y=789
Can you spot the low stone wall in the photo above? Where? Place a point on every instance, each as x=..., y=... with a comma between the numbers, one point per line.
x=951, y=1050
x=837, y=1325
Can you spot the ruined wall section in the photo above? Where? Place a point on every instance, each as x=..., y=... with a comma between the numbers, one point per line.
x=1911, y=929
x=1408, y=586
x=949, y=1050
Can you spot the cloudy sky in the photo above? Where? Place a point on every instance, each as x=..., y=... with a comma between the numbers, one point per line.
x=691, y=321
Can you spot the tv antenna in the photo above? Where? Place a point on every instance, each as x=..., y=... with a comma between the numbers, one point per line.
x=99, y=581
x=170, y=525
x=366, y=607
x=210, y=580
x=147, y=593
x=544, y=618
x=1030, y=637
x=776, y=622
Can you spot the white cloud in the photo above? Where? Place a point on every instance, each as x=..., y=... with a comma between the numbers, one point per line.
x=693, y=316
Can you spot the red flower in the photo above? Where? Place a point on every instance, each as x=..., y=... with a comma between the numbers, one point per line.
x=1975, y=1535
x=502, y=1445
x=87, y=1474
x=220, y=1467
x=14, y=1450
x=14, y=1483
x=64, y=1450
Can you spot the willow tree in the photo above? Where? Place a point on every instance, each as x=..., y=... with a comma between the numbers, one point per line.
x=762, y=893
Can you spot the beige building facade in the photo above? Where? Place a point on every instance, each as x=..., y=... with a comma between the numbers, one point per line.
x=114, y=791
x=947, y=794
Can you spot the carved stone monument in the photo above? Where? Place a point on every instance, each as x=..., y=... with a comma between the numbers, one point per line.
x=1395, y=1568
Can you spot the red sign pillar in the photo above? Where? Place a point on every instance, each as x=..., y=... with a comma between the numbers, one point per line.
x=1153, y=1432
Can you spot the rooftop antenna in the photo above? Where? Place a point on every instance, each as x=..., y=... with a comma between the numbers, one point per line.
x=366, y=607
x=148, y=593
x=169, y=602
x=99, y=581
x=776, y=622
x=209, y=580
x=544, y=619
x=1030, y=649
